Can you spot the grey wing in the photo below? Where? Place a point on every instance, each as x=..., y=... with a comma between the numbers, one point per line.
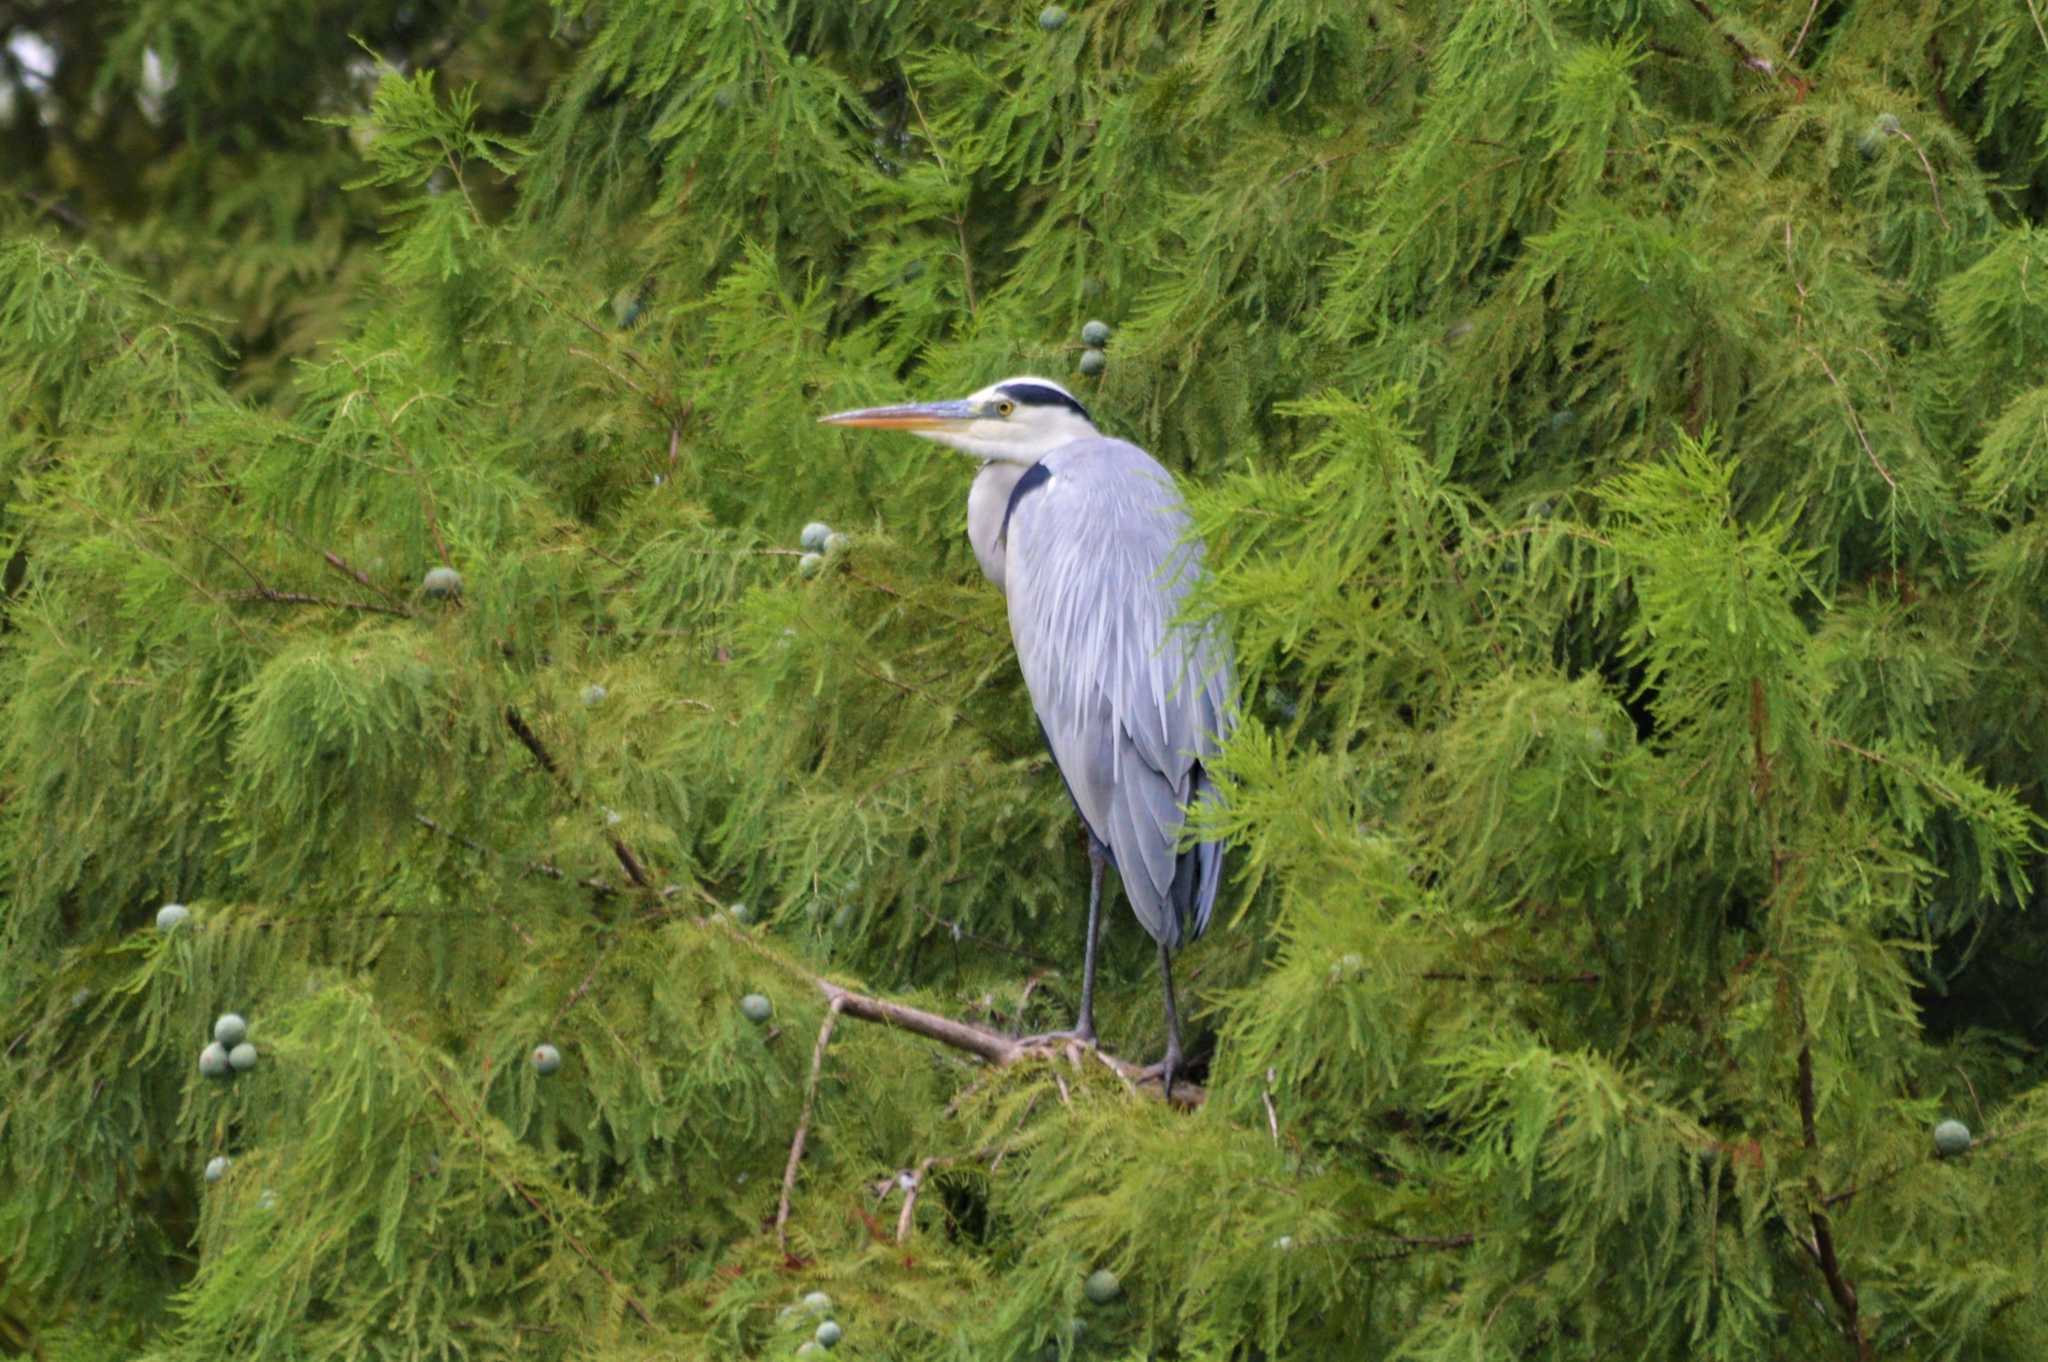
x=1097, y=567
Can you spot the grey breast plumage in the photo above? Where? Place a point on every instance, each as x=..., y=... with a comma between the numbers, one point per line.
x=1098, y=560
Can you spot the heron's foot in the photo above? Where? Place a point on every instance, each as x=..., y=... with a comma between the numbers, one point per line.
x=1166, y=1070
x=1080, y=1035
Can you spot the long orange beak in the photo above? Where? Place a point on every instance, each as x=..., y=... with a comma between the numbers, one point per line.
x=914, y=416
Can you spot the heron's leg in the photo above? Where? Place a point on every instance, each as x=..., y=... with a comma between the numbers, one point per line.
x=1169, y=1065
x=1084, y=1025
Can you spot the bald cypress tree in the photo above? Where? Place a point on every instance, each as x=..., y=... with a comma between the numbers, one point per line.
x=1619, y=434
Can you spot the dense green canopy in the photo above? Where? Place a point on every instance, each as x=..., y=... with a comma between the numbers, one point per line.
x=1621, y=434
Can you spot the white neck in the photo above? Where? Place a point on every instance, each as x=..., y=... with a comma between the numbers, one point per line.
x=988, y=503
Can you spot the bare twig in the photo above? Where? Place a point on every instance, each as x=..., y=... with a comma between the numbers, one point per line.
x=1412, y=1244
x=1184, y=1094
x=1933, y=185
x=1978, y=1144
x=1975, y=1105
x=515, y=721
x=542, y=868
x=635, y=871
x=1855, y=421
x=1856, y=1189
x=905, y=1216
x=997, y=1049
x=264, y=591
x=803, y=1125
x=276, y=597
x=1823, y=1246
x=1881, y=760
x=354, y=573
x=419, y=477
x=960, y=933
x=959, y=221
x=1587, y=977
x=1792, y=52
x=582, y=986
x=57, y=210
x=993, y=1047
x=1272, y=1116
x=651, y=399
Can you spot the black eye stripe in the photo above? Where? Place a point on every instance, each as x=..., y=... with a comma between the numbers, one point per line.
x=1038, y=395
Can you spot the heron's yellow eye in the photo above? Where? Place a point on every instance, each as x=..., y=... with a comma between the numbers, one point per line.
x=1004, y=406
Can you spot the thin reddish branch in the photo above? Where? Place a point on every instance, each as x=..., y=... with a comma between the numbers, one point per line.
x=352, y=572
x=803, y=1126
x=1823, y=1247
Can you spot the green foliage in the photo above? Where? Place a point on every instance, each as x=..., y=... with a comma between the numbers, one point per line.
x=1620, y=438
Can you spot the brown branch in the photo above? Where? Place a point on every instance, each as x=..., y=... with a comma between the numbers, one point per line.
x=1978, y=1144
x=582, y=986
x=1792, y=52
x=979, y=1041
x=1587, y=977
x=276, y=597
x=515, y=721
x=352, y=572
x=542, y=868
x=1933, y=185
x=635, y=871
x=1823, y=1247
x=264, y=591
x=997, y=1049
x=1856, y=422
x=803, y=1126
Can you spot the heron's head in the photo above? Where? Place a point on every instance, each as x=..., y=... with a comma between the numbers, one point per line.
x=1019, y=420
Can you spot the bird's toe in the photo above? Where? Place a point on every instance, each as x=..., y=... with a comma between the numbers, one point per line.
x=1054, y=1039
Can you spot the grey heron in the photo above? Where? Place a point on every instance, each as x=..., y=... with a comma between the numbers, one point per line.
x=1088, y=539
